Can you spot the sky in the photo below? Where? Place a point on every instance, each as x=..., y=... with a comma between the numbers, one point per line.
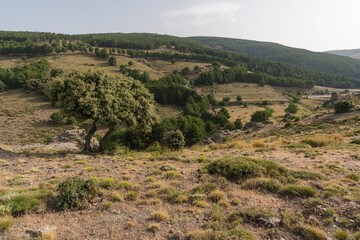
x=316, y=25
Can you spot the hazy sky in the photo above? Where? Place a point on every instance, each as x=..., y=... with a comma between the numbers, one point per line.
x=316, y=25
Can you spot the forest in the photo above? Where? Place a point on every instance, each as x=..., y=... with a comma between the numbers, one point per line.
x=308, y=70
x=316, y=61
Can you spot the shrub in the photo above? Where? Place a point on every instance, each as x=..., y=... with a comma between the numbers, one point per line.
x=153, y=227
x=353, y=177
x=75, y=193
x=299, y=191
x=356, y=141
x=242, y=234
x=261, y=116
x=292, y=108
x=56, y=117
x=6, y=222
x=357, y=235
x=242, y=168
x=216, y=196
x=309, y=232
x=106, y=205
x=2, y=86
x=116, y=196
x=125, y=185
x=107, y=183
x=323, y=140
x=343, y=106
x=23, y=202
x=154, y=147
x=267, y=184
x=160, y=216
x=55, y=72
x=238, y=123
x=70, y=121
x=172, y=175
x=341, y=234
x=132, y=196
x=112, y=61
x=174, y=140
x=307, y=175
x=130, y=63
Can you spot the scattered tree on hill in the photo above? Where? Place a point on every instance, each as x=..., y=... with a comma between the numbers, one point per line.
x=108, y=100
x=112, y=61
x=261, y=116
x=343, y=106
x=292, y=108
x=239, y=99
x=238, y=123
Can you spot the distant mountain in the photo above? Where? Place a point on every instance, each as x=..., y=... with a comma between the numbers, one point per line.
x=317, y=61
x=353, y=53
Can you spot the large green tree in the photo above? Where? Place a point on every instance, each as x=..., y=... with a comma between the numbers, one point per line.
x=108, y=100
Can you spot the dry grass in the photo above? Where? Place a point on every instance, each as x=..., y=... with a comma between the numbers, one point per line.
x=258, y=143
x=324, y=140
x=160, y=216
x=48, y=235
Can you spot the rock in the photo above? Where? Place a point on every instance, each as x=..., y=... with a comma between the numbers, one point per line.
x=167, y=167
x=75, y=135
x=220, y=136
x=270, y=221
x=255, y=126
x=37, y=233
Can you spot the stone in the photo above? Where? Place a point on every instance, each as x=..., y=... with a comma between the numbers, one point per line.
x=255, y=126
x=38, y=232
x=270, y=221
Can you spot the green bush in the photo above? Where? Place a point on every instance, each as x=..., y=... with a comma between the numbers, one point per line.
x=56, y=117
x=24, y=202
x=2, y=86
x=112, y=61
x=108, y=183
x=309, y=232
x=238, y=123
x=341, y=235
x=242, y=168
x=70, y=121
x=270, y=185
x=353, y=177
x=299, y=191
x=261, y=116
x=6, y=222
x=356, y=141
x=292, y=108
x=343, y=106
x=307, y=175
x=174, y=140
x=75, y=193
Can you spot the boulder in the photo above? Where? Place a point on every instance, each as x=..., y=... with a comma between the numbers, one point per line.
x=38, y=232
x=255, y=126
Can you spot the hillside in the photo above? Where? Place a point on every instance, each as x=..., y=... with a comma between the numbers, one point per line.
x=30, y=44
x=242, y=148
x=321, y=62
x=353, y=53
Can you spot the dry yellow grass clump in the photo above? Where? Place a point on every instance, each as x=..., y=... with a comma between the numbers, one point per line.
x=324, y=140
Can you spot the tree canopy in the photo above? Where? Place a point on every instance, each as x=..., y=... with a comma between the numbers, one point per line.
x=108, y=100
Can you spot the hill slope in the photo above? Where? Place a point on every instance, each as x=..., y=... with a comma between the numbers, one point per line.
x=353, y=53
x=322, y=62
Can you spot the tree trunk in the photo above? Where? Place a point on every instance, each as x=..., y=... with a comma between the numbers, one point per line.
x=107, y=135
x=89, y=136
